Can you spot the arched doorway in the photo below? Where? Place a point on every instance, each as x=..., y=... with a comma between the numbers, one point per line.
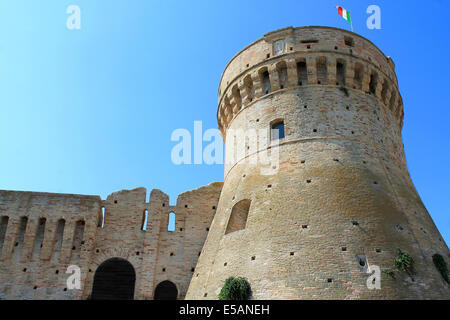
x=114, y=280
x=166, y=290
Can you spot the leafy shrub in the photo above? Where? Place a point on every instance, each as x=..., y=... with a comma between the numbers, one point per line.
x=389, y=273
x=235, y=289
x=404, y=262
x=345, y=90
x=441, y=265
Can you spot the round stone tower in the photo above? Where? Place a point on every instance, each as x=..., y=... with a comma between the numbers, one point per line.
x=316, y=190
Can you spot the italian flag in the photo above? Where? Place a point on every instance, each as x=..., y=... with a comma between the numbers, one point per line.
x=344, y=14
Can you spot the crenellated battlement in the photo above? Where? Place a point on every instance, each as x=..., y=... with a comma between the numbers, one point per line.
x=41, y=234
x=309, y=56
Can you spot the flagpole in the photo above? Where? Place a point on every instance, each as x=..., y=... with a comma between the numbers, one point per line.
x=351, y=22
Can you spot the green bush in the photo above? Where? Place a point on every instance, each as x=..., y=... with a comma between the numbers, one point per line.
x=404, y=262
x=235, y=289
x=441, y=265
x=389, y=273
x=345, y=90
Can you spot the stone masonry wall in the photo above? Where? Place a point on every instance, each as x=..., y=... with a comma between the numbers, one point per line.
x=338, y=198
x=31, y=271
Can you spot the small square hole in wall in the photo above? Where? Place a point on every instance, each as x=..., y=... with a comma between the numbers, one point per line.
x=164, y=205
x=192, y=269
x=305, y=106
x=304, y=226
x=225, y=264
x=205, y=295
x=247, y=65
x=291, y=253
x=35, y=287
x=199, y=254
x=314, y=130
x=291, y=48
x=344, y=248
x=269, y=186
x=348, y=41
x=137, y=253
x=24, y=270
x=97, y=251
x=57, y=271
x=330, y=280
x=171, y=254
x=377, y=250
x=181, y=229
x=185, y=205
x=90, y=270
x=268, y=55
x=355, y=223
x=163, y=269
x=253, y=258
x=214, y=207
x=308, y=47
x=115, y=201
x=207, y=229
x=303, y=161
x=65, y=289
x=308, y=181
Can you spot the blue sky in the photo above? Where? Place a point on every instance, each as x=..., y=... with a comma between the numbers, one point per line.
x=91, y=111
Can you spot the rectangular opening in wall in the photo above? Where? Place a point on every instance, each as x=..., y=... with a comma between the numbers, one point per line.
x=348, y=41
x=18, y=242
x=103, y=217
x=39, y=238
x=3, y=226
x=144, y=220
x=172, y=222
x=373, y=83
x=340, y=73
x=277, y=130
x=302, y=74
x=266, y=82
x=77, y=241
x=309, y=41
x=59, y=239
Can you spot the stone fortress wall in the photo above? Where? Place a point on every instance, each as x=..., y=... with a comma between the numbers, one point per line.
x=41, y=234
x=341, y=198
x=338, y=200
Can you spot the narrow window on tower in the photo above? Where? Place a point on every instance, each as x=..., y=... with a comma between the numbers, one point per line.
x=340, y=73
x=373, y=83
x=277, y=130
x=144, y=220
x=265, y=79
x=172, y=222
x=302, y=74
